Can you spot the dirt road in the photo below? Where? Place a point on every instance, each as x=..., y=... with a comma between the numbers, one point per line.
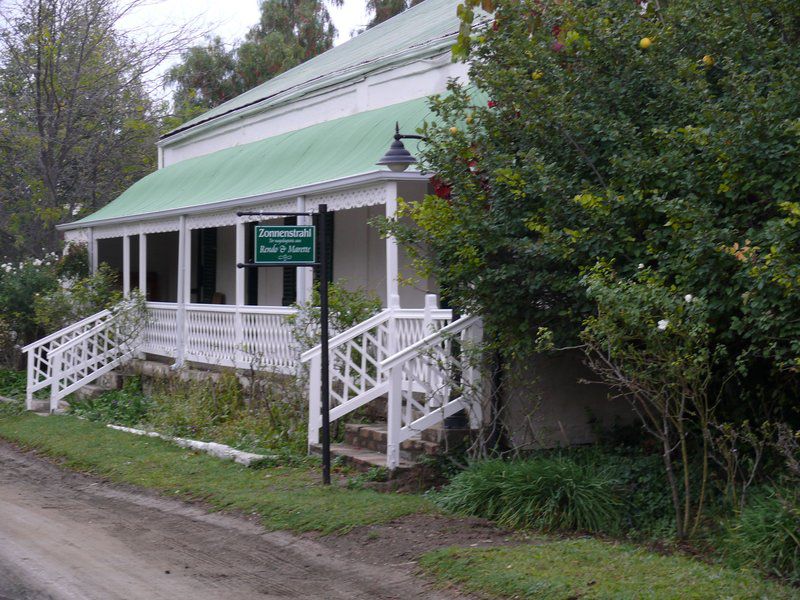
x=65, y=536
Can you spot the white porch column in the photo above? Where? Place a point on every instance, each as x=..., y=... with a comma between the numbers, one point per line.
x=392, y=269
x=240, y=233
x=184, y=243
x=240, y=274
x=126, y=265
x=143, y=265
x=305, y=275
x=92, y=251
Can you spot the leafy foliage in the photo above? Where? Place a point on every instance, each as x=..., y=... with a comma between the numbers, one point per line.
x=12, y=383
x=20, y=284
x=681, y=157
x=609, y=160
x=127, y=406
x=346, y=308
x=76, y=299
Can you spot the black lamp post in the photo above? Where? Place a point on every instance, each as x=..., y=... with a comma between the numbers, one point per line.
x=398, y=158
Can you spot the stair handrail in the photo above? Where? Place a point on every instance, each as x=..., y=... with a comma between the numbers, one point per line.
x=65, y=330
x=430, y=340
x=60, y=349
x=119, y=351
x=374, y=320
x=349, y=334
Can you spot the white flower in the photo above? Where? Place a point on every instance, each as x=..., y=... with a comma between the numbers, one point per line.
x=688, y=297
x=37, y=262
x=662, y=324
x=641, y=265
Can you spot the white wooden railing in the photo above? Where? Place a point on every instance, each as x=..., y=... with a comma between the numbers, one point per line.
x=230, y=336
x=243, y=337
x=93, y=353
x=40, y=352
x=358, y=359
x=431, y=380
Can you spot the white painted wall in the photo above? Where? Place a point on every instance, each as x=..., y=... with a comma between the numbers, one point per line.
x=76, y=236
x=547, y=406
x=392, y=86
x=270, y=286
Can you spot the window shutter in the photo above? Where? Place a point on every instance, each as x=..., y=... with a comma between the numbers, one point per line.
x=207, y=273
x=329, y=245
x=289, y=295
x=251, y=282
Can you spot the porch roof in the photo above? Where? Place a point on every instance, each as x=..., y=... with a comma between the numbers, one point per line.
x=328, y=151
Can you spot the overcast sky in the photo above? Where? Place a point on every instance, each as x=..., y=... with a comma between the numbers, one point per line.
x=230, y=19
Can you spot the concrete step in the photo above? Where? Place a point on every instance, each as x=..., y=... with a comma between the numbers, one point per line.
x=112, y=380
x=89, y=392
x=360, y=458
x=373, y=436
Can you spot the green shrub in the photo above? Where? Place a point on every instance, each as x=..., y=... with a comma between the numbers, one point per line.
x=543, y=493
x=13, y=383
x=12, y=387
x=76, y=298
x=20, y=284
x=648, y=506
x=347, y=308
x=128, y=406
x=767, y=534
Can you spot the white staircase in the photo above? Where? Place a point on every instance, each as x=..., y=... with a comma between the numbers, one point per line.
x=79, y=354
x=417, y=358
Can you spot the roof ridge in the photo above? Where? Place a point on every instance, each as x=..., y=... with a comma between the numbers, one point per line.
x=436, y=28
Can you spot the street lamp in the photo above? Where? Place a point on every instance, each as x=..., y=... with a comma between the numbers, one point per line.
x=398, y=158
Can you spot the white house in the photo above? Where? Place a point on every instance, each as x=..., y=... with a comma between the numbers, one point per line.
x=308, y=137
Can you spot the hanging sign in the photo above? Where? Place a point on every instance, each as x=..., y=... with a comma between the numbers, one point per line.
x=284, y=244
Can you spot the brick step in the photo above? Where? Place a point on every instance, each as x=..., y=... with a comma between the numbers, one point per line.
x=372, y=436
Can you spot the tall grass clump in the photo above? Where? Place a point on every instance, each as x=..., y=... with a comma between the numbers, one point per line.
x=767, y=534
x=551, y=494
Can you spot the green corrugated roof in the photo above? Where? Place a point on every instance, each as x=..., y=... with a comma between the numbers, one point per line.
x=428, y=24
x=327, y=151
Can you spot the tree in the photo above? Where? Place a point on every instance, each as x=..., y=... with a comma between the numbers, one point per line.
x=77, y=124
x=288, y=33
x=383, y=10
x=646, y=137
x=207, y=77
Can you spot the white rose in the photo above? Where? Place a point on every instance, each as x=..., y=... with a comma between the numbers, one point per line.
x=688, y=297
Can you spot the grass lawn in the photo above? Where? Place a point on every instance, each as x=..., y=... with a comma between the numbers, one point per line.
x=292, y=498
x=285, y=497
x=588, y=568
